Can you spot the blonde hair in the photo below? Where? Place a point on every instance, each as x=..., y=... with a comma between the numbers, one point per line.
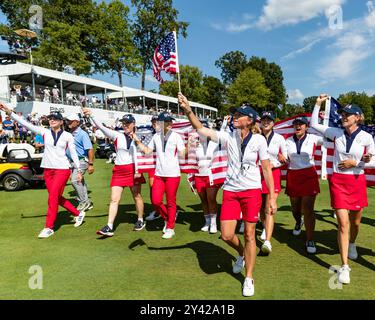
x=254, y=128
x=361, y=119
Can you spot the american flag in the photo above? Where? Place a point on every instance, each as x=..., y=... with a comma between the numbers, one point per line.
x=334, y=120
x=188, y=164
x=166, y=57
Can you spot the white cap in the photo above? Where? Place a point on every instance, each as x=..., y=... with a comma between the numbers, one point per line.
x=73, y=116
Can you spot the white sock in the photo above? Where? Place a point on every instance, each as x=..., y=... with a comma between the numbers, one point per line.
x=207, y=218
x=213, y=219
x=110, y=225
x=140, y=219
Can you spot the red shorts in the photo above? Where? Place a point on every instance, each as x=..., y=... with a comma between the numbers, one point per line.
x=302, y=183
x=276, y=173
x=348, y=191
x=151, y=174
x=248, y=202
x=123, y=176
x=203, y=182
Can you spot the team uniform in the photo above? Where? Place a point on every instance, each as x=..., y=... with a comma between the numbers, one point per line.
x=124, y=169
x=205, y=153
x=348, y=186
x=243, y=186
x=276, y=145
x=302, y=178
x=167, y=174
x=56, y=167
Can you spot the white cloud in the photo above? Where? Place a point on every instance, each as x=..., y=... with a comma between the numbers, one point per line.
x=305, y=49
x=295, y=95
x=236, y=27
x=288, y=12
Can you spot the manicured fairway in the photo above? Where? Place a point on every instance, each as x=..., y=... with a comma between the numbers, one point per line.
x=78, y=264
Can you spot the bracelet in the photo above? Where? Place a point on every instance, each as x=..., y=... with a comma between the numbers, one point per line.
x=91, y=164
x=188, y=112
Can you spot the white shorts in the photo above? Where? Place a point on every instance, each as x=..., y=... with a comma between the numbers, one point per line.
x=9, y=133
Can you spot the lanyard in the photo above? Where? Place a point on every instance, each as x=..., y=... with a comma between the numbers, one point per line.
x=56, y=137
x=299, y=142
x=244, y=144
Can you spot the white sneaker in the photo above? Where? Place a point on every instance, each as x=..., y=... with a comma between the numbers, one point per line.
x=205, y=228
x=263, y=236
x=298, y=228
x=213, y=228
x=242, y=227
x=169, y=233
x=344, y=274
x=266, y=247
x=353, y=254
x=248, y=287
x=310, y=247
x=79, y=219
x=239, y=265
x=152, y=216
x=45, y=233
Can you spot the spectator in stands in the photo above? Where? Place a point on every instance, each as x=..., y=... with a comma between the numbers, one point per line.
x=22, y=130
x=3, y=137
x=55, y=94
x=46, y=94
x=8, y=126
x=69, y=98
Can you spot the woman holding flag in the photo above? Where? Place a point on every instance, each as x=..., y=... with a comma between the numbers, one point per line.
x=56, y=166
x=353, y=147
x=278, y=154
x=242, y=188
x=169, y=146
x=124, y=174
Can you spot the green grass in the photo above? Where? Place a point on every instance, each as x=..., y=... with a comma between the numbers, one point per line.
x=77, y=264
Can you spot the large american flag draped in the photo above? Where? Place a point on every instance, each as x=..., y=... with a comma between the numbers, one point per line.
x=188, y=164
x=333, y=119
x=166, y=57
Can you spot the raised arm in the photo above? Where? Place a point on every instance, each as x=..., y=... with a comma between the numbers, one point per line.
x=184, y=104
x=21, y=120
x=111, y=134
x=315, y=115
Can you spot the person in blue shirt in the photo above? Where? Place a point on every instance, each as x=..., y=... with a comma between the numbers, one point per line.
x=85, y=152
x=8, y=127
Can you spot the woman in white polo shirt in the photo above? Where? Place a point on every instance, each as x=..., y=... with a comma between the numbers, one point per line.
x=56, y=166
x=348, y=182
x=168, y=145
x=278, y=154
x=302, y=182
x=242, y=187
x=123, y=173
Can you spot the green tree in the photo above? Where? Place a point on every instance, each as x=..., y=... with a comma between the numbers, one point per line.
x=213, y=93
x=191, y=84
x=309, y=103
x=363, y=100
x=115, y=49
x=273, y=76
x=153, y=19
x=249, y=87
x=231, y=65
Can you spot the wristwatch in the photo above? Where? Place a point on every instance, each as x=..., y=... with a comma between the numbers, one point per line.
x=91, y=164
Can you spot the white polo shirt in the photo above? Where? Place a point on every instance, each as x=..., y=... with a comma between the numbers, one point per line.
x=301, y=153
x=125, y=147
x=55, y=146
x=167, y=149
x=205, y=153
x=276, y=144
x=353, y=147
x=243, y=169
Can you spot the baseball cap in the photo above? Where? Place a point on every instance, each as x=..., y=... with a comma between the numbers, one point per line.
x=55, y=115
x=247, y=110
x=73, y=117
x=351, y=109
x=301, y=120
x=154, y=118
x=267, y=115
x=165, y=116
x=127, y=118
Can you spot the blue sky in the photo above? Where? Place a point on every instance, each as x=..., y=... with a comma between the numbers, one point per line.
x=315, y=52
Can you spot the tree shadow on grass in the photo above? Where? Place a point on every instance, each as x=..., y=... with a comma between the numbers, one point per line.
x=365, y=252
x=297, y=243
x=212, y=259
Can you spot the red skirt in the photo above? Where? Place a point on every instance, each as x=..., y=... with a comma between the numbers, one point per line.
x=302, y=183
x=348, y=191
x=123, y=176
x=203, y=182
x=276, y=173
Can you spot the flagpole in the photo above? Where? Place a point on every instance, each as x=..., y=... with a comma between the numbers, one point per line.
x=178, y=62
x=327, y=112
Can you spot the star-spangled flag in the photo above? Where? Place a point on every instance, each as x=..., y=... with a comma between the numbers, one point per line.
x=166, y=57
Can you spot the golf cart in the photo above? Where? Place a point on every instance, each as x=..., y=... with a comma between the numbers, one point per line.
x=19, y=165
